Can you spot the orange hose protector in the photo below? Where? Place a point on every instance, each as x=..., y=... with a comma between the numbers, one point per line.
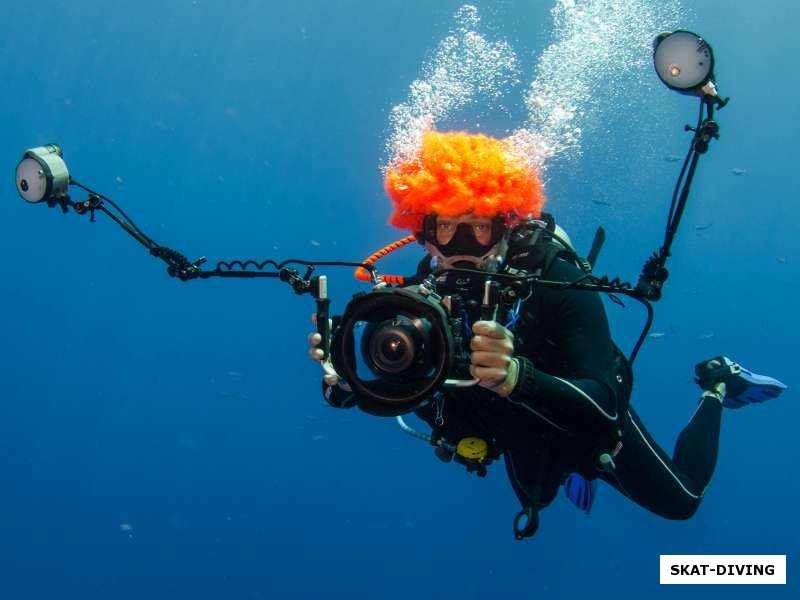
x=363, y=275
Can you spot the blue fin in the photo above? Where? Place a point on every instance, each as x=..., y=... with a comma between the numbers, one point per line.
x=580, y=492
x=742, y=387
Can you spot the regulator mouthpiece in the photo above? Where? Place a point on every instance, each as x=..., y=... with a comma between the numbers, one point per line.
x=42, y=174
x=685, y=63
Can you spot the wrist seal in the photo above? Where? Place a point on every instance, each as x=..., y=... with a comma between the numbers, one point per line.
x=526, y=380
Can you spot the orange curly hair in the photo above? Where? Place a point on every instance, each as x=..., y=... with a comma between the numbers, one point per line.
x=456, y=173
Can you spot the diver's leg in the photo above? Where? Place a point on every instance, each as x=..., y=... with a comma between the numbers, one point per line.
x=698, y=444
x=731, y=386
x=647, y=475
x=674, y=487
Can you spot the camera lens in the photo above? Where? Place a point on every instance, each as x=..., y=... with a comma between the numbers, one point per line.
x=392, y=348
x=398, y=347
x=23, y=185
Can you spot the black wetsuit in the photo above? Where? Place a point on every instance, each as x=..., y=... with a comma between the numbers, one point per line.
x=567, y=409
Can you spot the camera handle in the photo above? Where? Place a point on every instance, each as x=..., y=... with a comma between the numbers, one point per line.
x=460, y=383
x=323, y=315
x=488, y=313
x=489, y=304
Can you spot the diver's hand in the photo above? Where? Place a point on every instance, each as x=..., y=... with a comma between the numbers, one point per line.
x=316, y=353
x=492, y=359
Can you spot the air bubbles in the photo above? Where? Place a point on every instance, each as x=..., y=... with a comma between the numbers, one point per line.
x=600, y=51
x=467, y=19
x=465, y=67
x=599, y=54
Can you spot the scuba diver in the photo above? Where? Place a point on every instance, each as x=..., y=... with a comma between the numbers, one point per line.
x=500, y=341
x=553, y=389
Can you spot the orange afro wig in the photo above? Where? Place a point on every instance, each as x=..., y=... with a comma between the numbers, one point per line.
x=456, y=173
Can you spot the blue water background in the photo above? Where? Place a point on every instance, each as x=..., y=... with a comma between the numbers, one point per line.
x=168, y=440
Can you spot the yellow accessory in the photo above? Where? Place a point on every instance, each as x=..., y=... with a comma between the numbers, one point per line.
x=472, y=448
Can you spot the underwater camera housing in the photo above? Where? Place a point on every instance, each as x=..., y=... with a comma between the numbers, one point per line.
x=396, y=347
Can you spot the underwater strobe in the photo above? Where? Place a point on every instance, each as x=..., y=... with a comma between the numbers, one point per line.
x=685, y=63
x=42, y=175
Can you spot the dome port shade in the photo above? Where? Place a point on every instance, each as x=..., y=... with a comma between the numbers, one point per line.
x=683, y=61
x=388, y=398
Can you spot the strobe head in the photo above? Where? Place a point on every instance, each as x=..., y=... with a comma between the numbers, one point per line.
x=394, y=348
x=684, y=62
x=42, y=174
